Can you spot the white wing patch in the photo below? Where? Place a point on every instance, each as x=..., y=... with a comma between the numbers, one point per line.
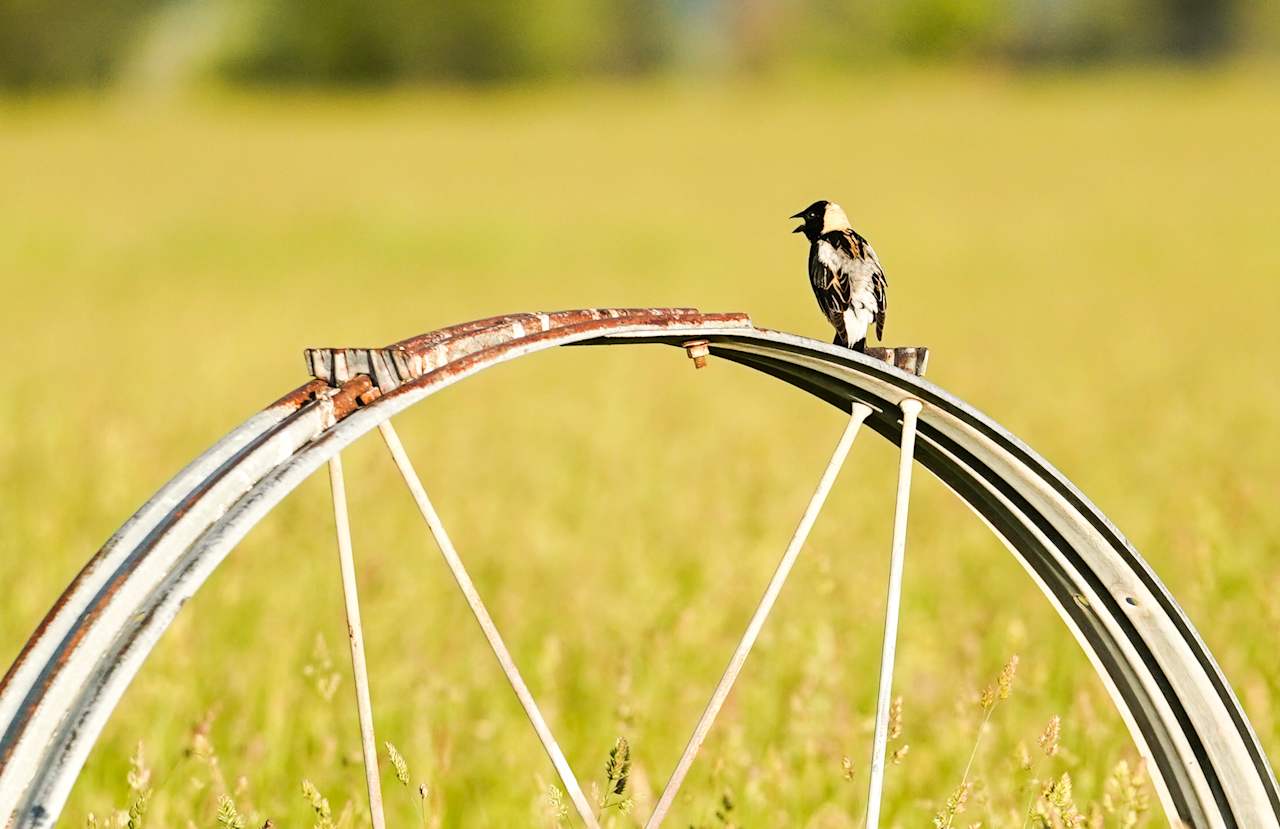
x=860, y=274
x=828, y=256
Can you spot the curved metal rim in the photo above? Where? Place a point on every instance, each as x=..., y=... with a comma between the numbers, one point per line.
x=1207, y=763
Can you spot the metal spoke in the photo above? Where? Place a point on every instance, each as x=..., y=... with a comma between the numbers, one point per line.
x=481, y=613
x=857, y=416
x=355, y=635
x=875, y=787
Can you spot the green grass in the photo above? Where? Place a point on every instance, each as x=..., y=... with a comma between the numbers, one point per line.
x=1091, y=258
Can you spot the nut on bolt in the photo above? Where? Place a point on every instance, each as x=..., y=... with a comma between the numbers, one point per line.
x=698, y=351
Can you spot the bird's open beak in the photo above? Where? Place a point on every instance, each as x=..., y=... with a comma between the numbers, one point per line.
x=799, y=215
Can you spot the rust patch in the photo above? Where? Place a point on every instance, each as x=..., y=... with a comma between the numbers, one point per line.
x=537, y=319
x=300, y=396
x=698, y=351
x=346, y=399
x=114, y=584
x=412, y=358
x=293, y=401
x=440, y=334
x=43, y=627
x=911, y=359
x=596, y=323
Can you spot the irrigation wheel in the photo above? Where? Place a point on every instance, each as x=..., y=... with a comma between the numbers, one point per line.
x=1202, y=753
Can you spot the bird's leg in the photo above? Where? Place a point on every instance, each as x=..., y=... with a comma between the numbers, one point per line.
x=861, y=345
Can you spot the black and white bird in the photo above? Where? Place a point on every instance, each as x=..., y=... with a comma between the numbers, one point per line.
x=846, y=275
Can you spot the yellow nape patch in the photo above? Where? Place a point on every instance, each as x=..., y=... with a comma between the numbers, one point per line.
x=835, y=219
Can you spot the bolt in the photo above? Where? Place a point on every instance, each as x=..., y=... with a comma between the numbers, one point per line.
x=698, y=351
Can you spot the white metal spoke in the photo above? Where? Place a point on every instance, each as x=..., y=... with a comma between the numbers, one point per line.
x=355, y=635
x=481, y=613
x=875, y=787
x=857, y=416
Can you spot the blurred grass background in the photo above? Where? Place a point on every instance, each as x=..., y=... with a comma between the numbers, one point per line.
x=1087, y=246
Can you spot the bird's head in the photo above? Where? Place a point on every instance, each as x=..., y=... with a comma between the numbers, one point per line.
x=819, y=218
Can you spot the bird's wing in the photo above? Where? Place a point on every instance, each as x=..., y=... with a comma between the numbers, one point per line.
x=880, y=285
x=828, y=289
x=844, y=269
x=842, y=259
x=827, y=274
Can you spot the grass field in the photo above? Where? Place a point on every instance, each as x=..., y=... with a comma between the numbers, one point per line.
x=1092, y=258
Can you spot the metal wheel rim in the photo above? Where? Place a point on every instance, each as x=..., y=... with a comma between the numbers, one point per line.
x=1205, y=760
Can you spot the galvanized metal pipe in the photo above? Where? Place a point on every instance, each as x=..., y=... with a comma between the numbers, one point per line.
x=355, y=636
x=1205, y=761
x=897, y=556
x=481, y=613
x=148, y=522
x=857, y=415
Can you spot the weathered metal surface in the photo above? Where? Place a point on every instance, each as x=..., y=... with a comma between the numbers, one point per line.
x=911, y=359
x=44, y=703
x=18, y=681
x=299, y=397
x=345, y=399
x=410, y=359
x=697, y=351
x=1203, y=756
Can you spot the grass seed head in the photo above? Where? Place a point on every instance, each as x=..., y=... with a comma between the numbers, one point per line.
x=138, y=809
x=228, y=817
x=1023, y=756
x=1125, y=796
x=617, y=768
x=954, y=806
x=1055, y=807
x=139, y=777
x=557, y=809
x=846, y=767
x=398, y=763
x=895, y=718
x=1004, y=682
x=319, y=805
x=1049, y=738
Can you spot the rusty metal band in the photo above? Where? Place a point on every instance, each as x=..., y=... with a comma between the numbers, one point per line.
x=1205, y=760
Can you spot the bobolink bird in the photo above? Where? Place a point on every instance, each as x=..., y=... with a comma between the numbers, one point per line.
x=845, y=274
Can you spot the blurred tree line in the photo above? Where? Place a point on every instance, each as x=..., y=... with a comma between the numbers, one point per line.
x=91, y=42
